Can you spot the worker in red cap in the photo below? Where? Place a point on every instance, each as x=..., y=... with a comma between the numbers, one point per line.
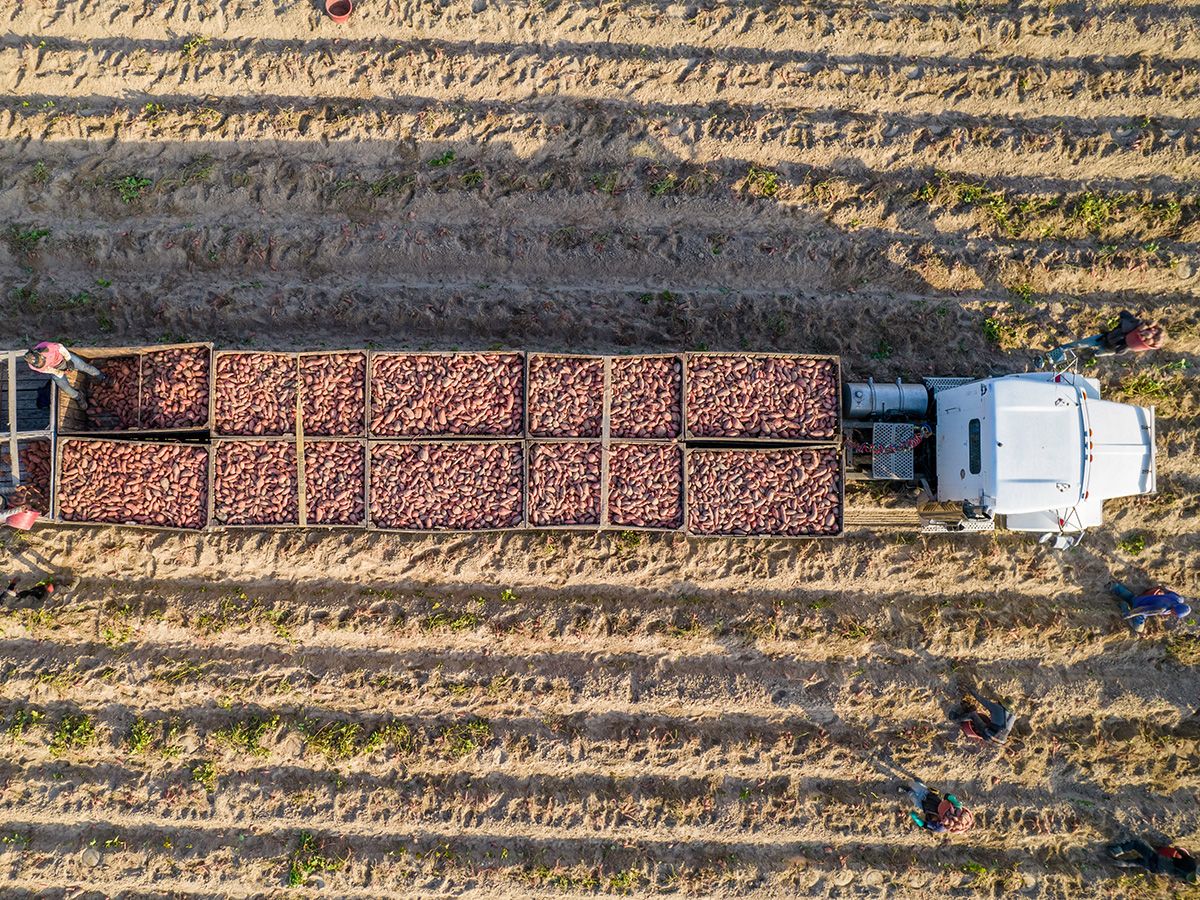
x=1131, y=335
x=55, y=360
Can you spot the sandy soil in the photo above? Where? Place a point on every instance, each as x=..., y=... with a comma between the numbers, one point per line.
x=923, y=188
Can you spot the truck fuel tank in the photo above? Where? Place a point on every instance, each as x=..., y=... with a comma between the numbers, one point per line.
x=868, y=400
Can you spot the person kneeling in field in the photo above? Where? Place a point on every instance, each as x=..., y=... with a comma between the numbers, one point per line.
x=1168, y=860
x=937, y=813
x=992, y=726
x=1155, y=602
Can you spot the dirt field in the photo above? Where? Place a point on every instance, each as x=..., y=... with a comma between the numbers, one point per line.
x=923, y=188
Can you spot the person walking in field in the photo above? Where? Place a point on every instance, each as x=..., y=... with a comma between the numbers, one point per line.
x=55, y=360
x=1166, y=860
x=1159, y=601
x=992, y=726
x=937, y=813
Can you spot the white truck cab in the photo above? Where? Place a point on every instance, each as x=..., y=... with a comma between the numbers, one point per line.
x=1041, y=449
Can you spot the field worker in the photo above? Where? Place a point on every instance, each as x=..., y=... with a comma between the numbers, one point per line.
x=56, y=361
x=992, y=726
x=1155, y=602
x=39, y=591
x=1167, y=860
x=1131, y=335
x=937, y=813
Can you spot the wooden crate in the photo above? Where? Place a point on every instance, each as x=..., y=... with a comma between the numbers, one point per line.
x=302, y=425
x=680, y=410
x=689, y=463
x=372, y=513
x=377, y=355
x=217, y=430
x=603, y=509
x=219, y=518
x=604, y=389
x=12, y=478
x=690, y=435
x=678, y=448
x=71, y=419
x=57, y=476
x=304, y=445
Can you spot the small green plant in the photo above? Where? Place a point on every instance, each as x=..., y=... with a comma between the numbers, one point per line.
x=152, y=112
x=607, y=182
x=246, y=736
x=23, y=241
x=440, y=618
x=853, y=629
x=1094, y=211
x=307, y=859
x=1133, y=545
x=74, y=732
x=23, y=720
x=440, y=162
x=472, y=179
x=625, y=882
x=1022, y=291
x=628, y=541
x=884, y=350
x=131, y=187
x=40, y=173
x=762, y=182
x=140, y=737
x=1184, y=649
x=390, y=183
x=119, y=630
x=464, y=738
x=997, y=331
x=665, y=185
x=392, y=734
x=16, y=840
x=195, y=45
x=205, y=774
x=336, y=740
x=1154, y=384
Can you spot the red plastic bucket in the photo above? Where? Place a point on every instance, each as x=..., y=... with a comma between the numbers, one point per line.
x=23, y=520
x=339, y=10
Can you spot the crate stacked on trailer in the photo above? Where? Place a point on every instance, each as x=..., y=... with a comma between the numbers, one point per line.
x=445, y=451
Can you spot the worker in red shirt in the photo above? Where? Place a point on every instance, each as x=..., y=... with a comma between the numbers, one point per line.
x=56, y=361
x=1131, y=335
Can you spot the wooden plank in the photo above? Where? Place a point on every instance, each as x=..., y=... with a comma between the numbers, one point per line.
x=14, y=456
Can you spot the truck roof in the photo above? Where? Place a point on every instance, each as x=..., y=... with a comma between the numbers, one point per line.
x=1045, y=442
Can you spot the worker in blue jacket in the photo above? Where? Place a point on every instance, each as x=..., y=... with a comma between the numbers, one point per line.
x=1159, y=601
